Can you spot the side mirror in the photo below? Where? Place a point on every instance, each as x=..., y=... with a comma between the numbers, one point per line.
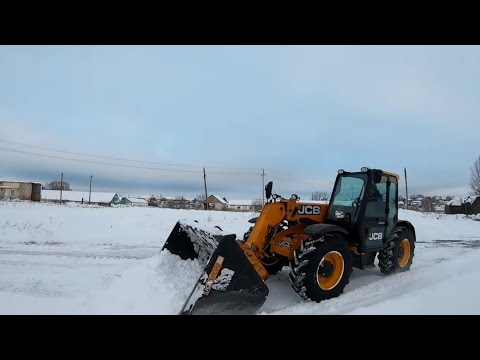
x=377, y=176
x=268, y=189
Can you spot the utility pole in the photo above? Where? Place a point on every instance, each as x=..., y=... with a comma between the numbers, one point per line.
x=61, y=187
x=90, y=193
x=263, y=187
x=206, y=195
x=406, y=188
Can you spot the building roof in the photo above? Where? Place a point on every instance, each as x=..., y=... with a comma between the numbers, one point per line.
x=97, y=197
x=219, y=199
x=137, y=201
x=471, y=199
x=454, y=202
x=19, y=182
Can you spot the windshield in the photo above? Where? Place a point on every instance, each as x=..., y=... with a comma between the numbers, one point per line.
x=347, y=197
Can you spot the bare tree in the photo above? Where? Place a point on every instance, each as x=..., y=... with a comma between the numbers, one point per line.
x=319, y=195
x=257, y=204
x=428, y=204
x=56, y=185
x=152, y=201
x=475, y=179
x=200, y=198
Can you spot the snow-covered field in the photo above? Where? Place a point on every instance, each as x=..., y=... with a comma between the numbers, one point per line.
x=73, y=259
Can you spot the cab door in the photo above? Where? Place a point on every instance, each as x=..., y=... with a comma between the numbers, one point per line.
x=373, y=228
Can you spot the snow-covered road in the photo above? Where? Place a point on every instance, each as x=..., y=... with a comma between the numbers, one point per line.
x=87, y=260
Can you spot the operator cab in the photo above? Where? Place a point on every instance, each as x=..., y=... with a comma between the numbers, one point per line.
x=365, y=204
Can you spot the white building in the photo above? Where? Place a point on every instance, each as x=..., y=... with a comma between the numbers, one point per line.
x=134, y=202
x=101, y=198
x=240, y=205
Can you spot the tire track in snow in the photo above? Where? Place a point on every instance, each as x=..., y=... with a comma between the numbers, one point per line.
x=369, y=287
x=137, y=255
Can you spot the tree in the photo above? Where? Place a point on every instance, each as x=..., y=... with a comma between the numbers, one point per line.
x=152, y=201
x=200, y=198
x=257, y=204
x=428, y=204
x=475, y=179
x=57, y=185
x=319, y=195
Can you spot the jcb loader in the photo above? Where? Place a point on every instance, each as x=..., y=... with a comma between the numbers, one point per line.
x=320, y=242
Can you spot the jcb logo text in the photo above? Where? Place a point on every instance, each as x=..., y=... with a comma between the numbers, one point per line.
x=375, y=236
x=308, y=210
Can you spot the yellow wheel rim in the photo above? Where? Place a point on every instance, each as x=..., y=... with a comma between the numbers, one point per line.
x=404, y=253
x=330, y=270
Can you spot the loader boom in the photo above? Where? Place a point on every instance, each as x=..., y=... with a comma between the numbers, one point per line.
x=268, y=231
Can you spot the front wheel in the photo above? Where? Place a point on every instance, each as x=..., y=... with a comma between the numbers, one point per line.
x=397, y=256
x=322, y=268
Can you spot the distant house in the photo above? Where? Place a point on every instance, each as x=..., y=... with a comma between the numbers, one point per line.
x=473, y=204
x=470, y=205
x=98, y=198
x=240, y=205
x=17, y=190
x=133, y=202
x=216, y=202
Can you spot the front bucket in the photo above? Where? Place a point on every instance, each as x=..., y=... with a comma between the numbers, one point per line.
x=229, y=284
x=189, y=242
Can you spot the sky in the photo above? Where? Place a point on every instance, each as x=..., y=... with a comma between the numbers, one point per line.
x=298, y=112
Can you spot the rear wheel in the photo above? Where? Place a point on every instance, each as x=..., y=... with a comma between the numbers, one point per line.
x=321, y=268
x=398, y=253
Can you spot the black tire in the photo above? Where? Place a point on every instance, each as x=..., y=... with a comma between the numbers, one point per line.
x=398, y=254
x=322, y=267
x=272, y=263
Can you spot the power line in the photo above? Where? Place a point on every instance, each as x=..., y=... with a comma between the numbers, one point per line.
x=95, y=162
x=312, y=181
x=270, y=172
x=231, y=173
x=97, y=156
x=124, y=159
x=118, y=165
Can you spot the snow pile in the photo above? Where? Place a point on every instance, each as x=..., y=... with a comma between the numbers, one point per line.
x=158, y=285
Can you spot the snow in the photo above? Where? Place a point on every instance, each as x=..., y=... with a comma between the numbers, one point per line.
x=240, y=202
x=137, y=201
x=96, y=197
x=84, y=259
x=471, y=199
